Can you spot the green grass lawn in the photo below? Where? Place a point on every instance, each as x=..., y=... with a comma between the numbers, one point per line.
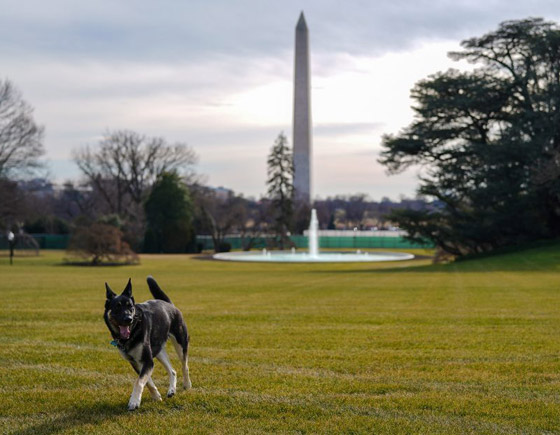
x=470, y=347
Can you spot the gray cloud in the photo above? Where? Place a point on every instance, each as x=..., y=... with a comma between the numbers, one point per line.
x=346, y=128
x=175, y=68
x=173, y=30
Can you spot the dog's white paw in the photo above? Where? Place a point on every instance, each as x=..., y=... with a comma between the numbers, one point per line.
x=171, y=392
x=187, y=385
x=156, y=396
x=133, y=404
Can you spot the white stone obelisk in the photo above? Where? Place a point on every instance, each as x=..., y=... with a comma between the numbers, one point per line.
x=302, y=139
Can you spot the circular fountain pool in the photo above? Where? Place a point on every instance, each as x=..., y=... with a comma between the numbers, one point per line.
x=305, y=257
x=313, y=255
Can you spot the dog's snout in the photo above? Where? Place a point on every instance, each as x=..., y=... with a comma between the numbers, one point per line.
x=128, y=319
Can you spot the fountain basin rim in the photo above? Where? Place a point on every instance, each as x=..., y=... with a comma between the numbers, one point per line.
x=304, y=257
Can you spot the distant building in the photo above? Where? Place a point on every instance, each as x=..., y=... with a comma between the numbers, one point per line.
x=40, y=187
x=222, y=192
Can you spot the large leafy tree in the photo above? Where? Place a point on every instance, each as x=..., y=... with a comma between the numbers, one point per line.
x=488, y=142
x=281, y=187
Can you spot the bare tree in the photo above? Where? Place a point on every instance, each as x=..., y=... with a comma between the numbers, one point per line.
x=355, y=209
x=75, y=200
x=218, y=215
x=20, y=137
x=14, y=205
x=256, y=222
x=125, y=164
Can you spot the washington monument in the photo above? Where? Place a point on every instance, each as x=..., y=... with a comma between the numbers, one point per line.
x=301, y=130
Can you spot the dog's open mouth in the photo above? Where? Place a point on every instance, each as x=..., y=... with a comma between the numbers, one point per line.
x=124, y=331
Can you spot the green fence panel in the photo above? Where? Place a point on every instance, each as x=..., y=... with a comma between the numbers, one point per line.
x=60, y=241
x=45, y=241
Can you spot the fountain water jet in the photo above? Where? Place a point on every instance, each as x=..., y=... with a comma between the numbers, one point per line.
x=312, y=236
x=313, y=255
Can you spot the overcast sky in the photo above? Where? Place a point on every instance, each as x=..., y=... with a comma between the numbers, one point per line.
x=218, y=74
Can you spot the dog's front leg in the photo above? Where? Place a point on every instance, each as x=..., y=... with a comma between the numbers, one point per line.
x=143, y=378
x=151, y=386
x=153, y=390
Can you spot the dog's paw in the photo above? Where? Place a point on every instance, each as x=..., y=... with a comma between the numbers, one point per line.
x=187, y=385
x=133, y=404
x=156, y=396
x=171, y=392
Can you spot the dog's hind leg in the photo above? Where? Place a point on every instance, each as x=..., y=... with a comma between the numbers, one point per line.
x=183, y=354
x=164, y=359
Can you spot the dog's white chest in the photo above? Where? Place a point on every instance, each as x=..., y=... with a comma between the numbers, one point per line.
x=135, y=353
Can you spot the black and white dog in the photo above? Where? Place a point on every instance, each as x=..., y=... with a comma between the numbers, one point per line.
x=140, y=331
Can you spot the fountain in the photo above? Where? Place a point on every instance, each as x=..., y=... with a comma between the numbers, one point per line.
x=313, y=255
x=313, y=237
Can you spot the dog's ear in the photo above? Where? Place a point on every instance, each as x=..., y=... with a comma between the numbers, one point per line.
x=128, y=289
x=110, y=293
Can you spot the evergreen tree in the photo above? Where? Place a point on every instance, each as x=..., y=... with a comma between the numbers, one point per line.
x=169, y=214
x=281, y=188
x=488, y=141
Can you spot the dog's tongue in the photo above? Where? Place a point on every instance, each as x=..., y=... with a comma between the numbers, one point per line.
x=125, y=331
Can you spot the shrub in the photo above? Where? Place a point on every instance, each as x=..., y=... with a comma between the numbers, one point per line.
x=100, y=243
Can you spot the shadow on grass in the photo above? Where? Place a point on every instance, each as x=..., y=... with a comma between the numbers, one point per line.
x=467, y=266
x=19, y=254
x=204, y=257
x=537, y=257
x=80, y=416
x=90, y=264
x=385, y=270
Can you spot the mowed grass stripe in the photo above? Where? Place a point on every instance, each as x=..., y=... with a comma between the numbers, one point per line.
x=470, y=347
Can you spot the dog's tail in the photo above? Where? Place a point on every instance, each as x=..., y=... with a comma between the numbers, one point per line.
x=156, y=291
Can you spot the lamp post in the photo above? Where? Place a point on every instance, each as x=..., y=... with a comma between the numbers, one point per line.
x=11, y=244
